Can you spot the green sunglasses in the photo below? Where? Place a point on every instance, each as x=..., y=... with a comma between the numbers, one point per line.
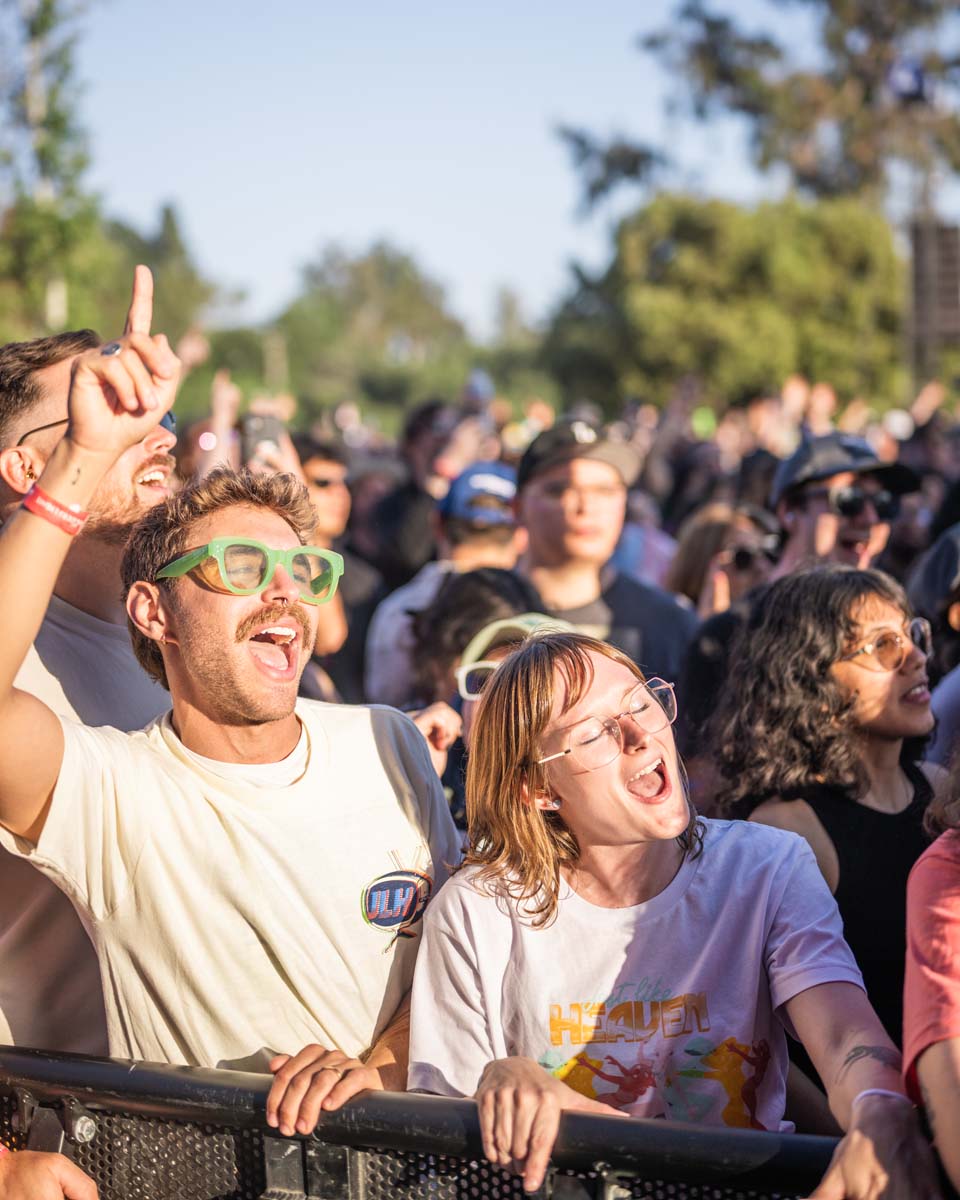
x=245, y=567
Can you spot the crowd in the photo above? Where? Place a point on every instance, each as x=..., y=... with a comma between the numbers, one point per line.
x=561, y=765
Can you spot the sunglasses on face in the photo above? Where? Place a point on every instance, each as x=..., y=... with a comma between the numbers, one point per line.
x=326, y=481
x=244, y=568
x=167, y=421
x=472, y=679
x=889, y=650
x=745, y=558
x=852, y=501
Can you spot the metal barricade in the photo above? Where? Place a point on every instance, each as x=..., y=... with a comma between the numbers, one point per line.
x=147, y=1132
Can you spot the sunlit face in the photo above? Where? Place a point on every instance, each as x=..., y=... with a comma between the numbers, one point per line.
x=329, y=495
x=639, y=796
x=854, y=541
x=573, y=512
x=889, y=704
x=233, y=657
x=139, y=479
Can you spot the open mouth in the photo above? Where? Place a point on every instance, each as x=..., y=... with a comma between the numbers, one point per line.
x=652, y=783
x=918, y=694
x=153, y=477
x=276, y=647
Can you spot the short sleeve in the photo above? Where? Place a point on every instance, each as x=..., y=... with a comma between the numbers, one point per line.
x=932, y=983
x=92, y=837
x=805, y=946
x=455, y=1018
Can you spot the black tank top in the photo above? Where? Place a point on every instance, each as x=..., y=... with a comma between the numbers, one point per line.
x=876, y=851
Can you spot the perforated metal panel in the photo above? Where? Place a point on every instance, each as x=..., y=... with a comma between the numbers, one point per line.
x=147, y=1158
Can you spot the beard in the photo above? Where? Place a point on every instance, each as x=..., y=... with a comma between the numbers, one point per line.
x=114, y=510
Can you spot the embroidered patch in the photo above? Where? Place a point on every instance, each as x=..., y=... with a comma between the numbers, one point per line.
x=396, y=901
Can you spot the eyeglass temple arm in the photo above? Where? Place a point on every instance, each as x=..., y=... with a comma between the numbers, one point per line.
x=180, y=566
x=551, y=757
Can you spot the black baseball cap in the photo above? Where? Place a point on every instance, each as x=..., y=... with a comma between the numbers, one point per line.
x=568, y=440
x=833, y=454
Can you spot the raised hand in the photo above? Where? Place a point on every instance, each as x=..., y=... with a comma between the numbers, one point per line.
x=120, y=391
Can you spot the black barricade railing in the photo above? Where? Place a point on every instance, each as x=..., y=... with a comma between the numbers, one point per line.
x=147, y=1132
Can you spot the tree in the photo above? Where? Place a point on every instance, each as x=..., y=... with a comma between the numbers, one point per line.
x=372, y=325
x=883, y=90
x=740, y=297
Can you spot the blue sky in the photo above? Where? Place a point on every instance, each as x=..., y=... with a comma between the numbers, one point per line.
x=278, y=128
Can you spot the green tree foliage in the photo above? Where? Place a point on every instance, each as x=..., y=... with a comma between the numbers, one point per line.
x=739, y=297
x=837, y=125
x=372, y=326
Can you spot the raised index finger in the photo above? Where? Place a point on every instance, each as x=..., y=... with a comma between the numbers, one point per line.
x=140, y=312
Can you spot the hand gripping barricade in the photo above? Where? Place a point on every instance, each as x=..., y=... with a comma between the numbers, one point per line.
x=147, y=1132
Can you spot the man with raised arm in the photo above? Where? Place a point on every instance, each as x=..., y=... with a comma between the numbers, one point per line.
x=218, y=856
x=82, y=665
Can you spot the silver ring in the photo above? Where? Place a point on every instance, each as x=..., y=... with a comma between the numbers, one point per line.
x=110, y=349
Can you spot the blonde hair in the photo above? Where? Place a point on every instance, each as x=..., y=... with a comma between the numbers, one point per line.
x=520, y=848
x=163, y=533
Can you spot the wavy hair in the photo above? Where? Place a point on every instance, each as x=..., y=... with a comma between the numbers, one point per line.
x=519, y=848
x=787, y=728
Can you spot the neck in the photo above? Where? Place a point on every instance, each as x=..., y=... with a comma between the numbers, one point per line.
x=889, y=789
x=90, y=580
x=266, y=742
x=569, y=584
x=467, y=557
x=622, y=876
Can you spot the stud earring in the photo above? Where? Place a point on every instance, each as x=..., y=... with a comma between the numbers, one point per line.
x=29, y=473
x=554, y=805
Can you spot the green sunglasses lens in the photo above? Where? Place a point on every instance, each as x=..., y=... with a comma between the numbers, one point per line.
x=244, y=567
x=314, y=574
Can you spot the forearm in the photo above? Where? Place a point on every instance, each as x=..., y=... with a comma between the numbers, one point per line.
x=32, y=552
x=390, y=1054
x=865, y=1058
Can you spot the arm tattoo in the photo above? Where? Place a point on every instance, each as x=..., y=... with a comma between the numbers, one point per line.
x=882, y=1054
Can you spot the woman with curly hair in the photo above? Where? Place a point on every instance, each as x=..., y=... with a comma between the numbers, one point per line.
x=605, y=950
x=820, y=733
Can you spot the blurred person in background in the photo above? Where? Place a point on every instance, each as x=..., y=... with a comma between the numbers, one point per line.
x=723, y=552
x=474, y=526
x=821, y=734
x=81, y=664
x=437, y=444
x=324, y=467
x=934, y=591
x=571, y=498
x=644, y=551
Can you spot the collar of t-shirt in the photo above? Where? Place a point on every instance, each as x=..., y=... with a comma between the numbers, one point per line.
x=262, y=775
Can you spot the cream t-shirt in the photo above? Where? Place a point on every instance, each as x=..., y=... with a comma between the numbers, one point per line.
x=50, y=992
x=233, y=921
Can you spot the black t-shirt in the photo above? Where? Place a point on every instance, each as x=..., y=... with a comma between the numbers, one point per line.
x=643, y=621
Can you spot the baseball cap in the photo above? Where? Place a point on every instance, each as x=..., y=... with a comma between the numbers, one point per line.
x=568, y=440
x=833, y=454
x=936, y=576
x=482, y=494
x=508, y=630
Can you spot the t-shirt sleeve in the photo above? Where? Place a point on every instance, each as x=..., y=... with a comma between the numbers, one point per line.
x=92, y=837
x=451, y=1038
x=805, y=945
x=418, y=788
x=931, y=1009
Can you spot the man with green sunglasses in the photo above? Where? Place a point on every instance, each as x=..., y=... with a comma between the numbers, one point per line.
x=255, y=866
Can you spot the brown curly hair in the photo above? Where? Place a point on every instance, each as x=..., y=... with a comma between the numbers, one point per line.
x=787, y=728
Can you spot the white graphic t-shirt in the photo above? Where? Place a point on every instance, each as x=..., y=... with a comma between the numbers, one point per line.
x=665, y=1009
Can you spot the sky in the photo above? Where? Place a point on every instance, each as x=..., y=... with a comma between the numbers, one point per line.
x=279, y=128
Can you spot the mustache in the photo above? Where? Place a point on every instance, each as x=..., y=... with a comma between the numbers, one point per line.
x=158, y=460
x=275, y=612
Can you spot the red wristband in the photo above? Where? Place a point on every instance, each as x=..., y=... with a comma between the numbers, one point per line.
x=4, y=1149
x=70, y=520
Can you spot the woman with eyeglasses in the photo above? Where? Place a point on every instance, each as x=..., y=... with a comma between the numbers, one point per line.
x=821, y=732
x=605, y=950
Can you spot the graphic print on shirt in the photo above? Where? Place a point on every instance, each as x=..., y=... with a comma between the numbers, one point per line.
x=395, y=902
x=629, y=1054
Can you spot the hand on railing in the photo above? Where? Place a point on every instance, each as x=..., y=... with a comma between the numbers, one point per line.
x=315, y=1080
x=28, y=1175
x=520, y=1105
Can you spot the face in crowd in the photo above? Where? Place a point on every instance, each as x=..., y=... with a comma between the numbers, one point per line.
x=140, y=478
x=884, y=670
x=573, y=512
x=843, y=519
x=327, y=484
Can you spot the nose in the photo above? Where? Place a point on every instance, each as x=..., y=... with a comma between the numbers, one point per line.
x=282, y=588
x=633, y=736
x=159, y=440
